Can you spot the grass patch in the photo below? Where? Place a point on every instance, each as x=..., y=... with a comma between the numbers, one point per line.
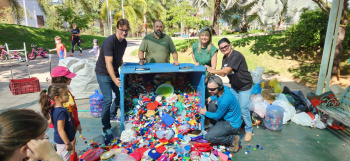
x=15, y=35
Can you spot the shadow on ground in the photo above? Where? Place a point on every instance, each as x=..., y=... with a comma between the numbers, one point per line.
x=276, y=45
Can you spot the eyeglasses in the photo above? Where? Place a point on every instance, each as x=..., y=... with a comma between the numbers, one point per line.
x=125, y=31
x=212, y=89
x=225, y=47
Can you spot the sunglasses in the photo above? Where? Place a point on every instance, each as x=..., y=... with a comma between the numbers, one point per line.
x=212, y=89
x=225, y=47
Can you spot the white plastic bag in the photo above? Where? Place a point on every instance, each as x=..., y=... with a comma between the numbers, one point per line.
x=257, y=74
x=85, y=83
x=302, y=118
x=257, y=105
x=318, y=123
x=289, y=110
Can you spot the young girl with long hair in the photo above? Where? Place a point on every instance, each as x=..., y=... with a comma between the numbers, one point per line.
x=59, y=116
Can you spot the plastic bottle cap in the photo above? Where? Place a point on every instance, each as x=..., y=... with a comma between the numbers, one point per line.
x=187, y=148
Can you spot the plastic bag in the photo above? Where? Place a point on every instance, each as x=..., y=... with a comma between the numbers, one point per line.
x=296, y=98
x=289, y=110
x=302, y=118
x=257, y=74
x=128, y=134
x=256, y=89
x=257, y=105
x=276, y=85
x=318, y=123
x=337, y=90
x=84, y=84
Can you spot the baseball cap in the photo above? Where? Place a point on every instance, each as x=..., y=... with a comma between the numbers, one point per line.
x=60, y=71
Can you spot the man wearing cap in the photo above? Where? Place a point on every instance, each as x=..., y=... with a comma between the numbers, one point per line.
x=225, y=115
x=157, y=46
x=110, y=59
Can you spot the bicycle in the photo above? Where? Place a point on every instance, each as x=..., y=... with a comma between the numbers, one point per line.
x=43, y=53
x=4, y=56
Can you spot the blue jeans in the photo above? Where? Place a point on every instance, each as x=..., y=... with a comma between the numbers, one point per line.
x=107, y=86
x=222, y=132
x=243, y=97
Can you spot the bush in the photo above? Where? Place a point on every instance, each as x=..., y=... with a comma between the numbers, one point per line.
x=309, y=33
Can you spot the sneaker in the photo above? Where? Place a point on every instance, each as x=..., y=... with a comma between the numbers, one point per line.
x=115, y=119
x=108, y=135
x=248, y=136
x=234, y=147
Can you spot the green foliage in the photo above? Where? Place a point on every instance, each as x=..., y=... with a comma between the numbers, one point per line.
x=15, y=35
x=70, y=16
x=309, y=34
x=53, y=20
x=181, y=13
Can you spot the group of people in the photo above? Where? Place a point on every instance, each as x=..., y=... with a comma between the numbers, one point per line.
x=225, y=107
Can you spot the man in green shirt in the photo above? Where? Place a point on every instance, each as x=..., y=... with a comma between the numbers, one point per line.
x=157, y=46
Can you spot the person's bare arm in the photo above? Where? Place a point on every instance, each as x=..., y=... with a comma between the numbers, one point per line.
x=194, y=59
x=175, y=57
x=141, y=57
x=214, y=60
x=61, y=132
x=110, y=69
x=221, y=72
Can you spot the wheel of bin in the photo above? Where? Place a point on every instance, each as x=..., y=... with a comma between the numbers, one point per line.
x=31, y=56
x=45, y=53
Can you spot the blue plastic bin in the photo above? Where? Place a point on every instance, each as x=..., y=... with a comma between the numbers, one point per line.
x=197, y=76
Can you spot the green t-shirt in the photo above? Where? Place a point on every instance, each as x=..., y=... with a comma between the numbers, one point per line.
x=157, y=50
x=203, y=58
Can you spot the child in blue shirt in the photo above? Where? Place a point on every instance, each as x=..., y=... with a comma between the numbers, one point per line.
x=60, y=118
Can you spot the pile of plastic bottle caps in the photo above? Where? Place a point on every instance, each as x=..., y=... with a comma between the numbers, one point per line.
x=161, y=124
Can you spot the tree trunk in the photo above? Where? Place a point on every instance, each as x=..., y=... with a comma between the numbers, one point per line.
x=216, y=17
x=338, y=52
x=340, y=39
x=101, y=28
x=145, y=23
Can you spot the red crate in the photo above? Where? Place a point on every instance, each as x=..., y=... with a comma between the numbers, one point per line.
x=27, y=85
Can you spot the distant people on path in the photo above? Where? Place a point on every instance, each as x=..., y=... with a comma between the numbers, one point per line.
x=157, y=46
x=60, y=48
x=234, y=66
x=95, y=48
x=108, y=63
x=76, y=39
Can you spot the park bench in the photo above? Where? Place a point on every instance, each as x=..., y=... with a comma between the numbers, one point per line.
x=338, y=110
